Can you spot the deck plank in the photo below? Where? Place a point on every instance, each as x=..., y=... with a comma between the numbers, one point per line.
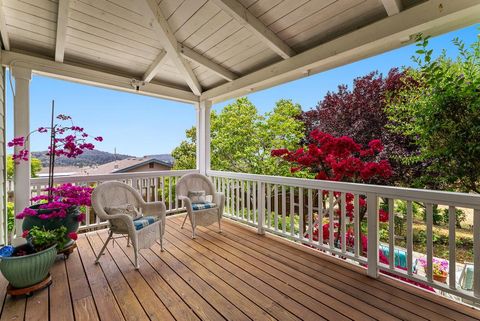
x=237, y=293
x=126, y=299
x=37, y=306
x=334, y=300
x=152, y=305
x=222, y=305
x=84, y=307
x=13, y=308
x=235, y=275
x=107, y=307
x=60, y=302
x=247, y=284
x=364, y=301
x=401, y=298
x=196, y=302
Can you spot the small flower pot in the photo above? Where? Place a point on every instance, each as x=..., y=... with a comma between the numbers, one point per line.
x=70, y=221
x=441, y=278
x=27, y=270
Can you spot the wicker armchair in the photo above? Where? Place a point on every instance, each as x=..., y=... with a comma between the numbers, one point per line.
x=200, y=214
x=144, y=230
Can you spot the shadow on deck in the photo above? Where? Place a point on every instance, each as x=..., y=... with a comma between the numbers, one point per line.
x=236, y=275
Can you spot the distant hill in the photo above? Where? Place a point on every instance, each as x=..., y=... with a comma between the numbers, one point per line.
x=88, y=158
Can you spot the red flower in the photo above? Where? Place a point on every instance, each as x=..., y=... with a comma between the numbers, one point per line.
x=25, y=234
x=73, y=236
x=382, y=215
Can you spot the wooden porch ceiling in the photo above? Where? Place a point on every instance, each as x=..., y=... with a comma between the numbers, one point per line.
x=213, y=49
x=236, y=275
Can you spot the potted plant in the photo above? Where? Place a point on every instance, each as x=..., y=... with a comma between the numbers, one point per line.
x=60, y=206
x=28, y=264
x=440, y=269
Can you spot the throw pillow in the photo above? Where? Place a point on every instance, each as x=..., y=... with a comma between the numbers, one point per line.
x=197, y=197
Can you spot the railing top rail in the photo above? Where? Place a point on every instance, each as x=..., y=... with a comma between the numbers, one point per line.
x=409, y=194
x=107, y=177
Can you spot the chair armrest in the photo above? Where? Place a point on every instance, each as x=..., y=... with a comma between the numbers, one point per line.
x=154, y=208
x=186, y=201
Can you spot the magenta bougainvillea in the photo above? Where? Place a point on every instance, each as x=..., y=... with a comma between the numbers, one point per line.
x=63, y=197
x=69, y=141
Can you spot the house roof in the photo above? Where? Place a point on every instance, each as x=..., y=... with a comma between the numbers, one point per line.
x=120, y=166
x=126, y=165
x=211, y=49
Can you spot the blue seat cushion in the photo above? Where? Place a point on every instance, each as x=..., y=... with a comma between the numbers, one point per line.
x=203, y=206
x=143, y=221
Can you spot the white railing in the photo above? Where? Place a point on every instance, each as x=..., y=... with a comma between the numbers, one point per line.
x=154, y=186
x=296, y=208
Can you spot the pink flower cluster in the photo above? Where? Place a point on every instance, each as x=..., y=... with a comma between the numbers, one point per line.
x=17, y=141
x=63, y=197
x=71, y=145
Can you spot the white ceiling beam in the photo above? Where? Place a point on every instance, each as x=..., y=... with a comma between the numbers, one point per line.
x=3, y=29
x=86, y=75
x=392, y=7
x=154, y=67
x=432, y=18
x=207, y=63
x=169, y=42
x=237, y=11
x=62, y=23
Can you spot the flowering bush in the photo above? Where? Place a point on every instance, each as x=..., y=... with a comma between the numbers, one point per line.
x=340, y=159
x=62, y=198
x=69, y=141
x=440, y=266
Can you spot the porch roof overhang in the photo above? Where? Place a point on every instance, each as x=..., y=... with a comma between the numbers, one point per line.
x=211, y=49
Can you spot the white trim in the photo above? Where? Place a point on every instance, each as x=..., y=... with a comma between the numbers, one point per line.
x=203, y=110
x=3, y=28
x=89, y=76
x=237, y=11
x=168, y=40
x=207, y=63
x=39, y=181
x=431, y=18
x=21, y=128
x=62, y=23
x=154, y=67
x=407, y=194
x=392, y=7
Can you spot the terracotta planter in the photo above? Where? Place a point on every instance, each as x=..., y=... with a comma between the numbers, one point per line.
x=441, y=278
x=25, y=271
x=70, y=221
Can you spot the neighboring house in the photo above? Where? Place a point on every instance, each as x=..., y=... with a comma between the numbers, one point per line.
x=128, y=165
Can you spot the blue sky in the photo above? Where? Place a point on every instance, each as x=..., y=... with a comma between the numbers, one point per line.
x=139, y=125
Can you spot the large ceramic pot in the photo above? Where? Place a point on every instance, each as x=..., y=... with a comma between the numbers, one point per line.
x=71, y=221
x=27, y=270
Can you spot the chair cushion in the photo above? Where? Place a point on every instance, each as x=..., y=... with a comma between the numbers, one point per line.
x=144, y=221
x=128, y=209
x=197, y=197
x=203, y=206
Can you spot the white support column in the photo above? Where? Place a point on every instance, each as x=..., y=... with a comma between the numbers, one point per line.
x=203, y=109
x=21, y=128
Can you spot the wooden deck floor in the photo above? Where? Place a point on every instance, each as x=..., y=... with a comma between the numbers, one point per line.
x=236, y=275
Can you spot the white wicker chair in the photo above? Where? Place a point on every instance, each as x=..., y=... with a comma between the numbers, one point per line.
x=200, y=216
x=114, y=194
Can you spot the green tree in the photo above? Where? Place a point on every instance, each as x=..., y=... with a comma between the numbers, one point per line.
x=241, y=139
x=441, y=113
x=35, y=167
